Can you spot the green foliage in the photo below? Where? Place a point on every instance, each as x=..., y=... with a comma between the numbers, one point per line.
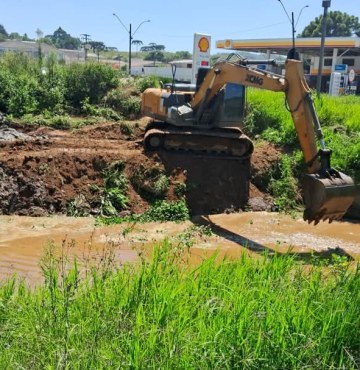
x=96, y=111
x=192, y=235
x=339, y=117
x=114, y=198
x=155, y=56
x=338, y=24
x=126, y=128
x=268, y=117
x=161, y=186
x=78, y=207
x=146, y=82
x=180, y=189
x=160, y=211
x=90, y=81
x=52, y=88
x=61, y=122
x=283, y=185
x=251, y=313
x=151, y=183
x=3, y=31
x=123, y=103
x=63, y=40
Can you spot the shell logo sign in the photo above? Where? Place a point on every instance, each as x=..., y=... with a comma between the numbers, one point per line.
x=204, y=44
x=201, y=53
x=228, y=44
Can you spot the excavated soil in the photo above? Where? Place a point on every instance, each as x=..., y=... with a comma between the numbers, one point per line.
x=43, y=169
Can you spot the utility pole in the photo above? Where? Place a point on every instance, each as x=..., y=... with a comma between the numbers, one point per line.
x=326, y=4
x=86, y=38
x=131, y=36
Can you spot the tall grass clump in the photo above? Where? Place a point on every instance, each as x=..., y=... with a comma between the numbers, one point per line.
x=252, y=313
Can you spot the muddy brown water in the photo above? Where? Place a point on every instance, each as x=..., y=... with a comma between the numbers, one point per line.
x=23, y=240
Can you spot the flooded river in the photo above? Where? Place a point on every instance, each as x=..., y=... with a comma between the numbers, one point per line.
x=23, y=240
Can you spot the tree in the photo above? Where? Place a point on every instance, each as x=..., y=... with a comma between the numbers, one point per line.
x=152, y=47
x=182, y=55
x=25, y=37
x=338, y=24
x=3, y=31
x=137, y=43
x=155, y=56
x=97, y=46
x=15, y=36
x=63, y=40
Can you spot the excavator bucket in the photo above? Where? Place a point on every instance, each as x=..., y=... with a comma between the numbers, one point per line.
x=327, y=196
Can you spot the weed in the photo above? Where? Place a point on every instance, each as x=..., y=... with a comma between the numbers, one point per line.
x=180, y=189
x=192, y=234
x=78, y=207
x=114, y=197
x=44, y=168
x=160, y=211
x=284, y=188
x=152, y=183
x=161, y=186
x=126, y=128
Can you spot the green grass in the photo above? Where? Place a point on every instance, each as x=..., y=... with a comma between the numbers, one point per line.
x=340, y=119
x=269, y=117
x=252, y=313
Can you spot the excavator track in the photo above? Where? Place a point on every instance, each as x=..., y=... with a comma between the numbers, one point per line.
x=224, y=142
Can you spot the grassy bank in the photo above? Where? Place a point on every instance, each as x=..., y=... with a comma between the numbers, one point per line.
x=339, y=117
x=263, y=313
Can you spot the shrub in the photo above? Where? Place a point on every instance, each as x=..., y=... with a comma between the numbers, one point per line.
x=144, y=83
x=89, y=80
x=123, y=103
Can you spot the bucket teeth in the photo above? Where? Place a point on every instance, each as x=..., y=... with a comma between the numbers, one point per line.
x=327, y=198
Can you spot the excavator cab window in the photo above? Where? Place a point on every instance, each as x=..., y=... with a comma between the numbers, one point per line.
x=233, y=104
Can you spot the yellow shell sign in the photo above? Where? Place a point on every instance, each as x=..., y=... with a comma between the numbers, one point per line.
x=204, y=44
x=227, y=43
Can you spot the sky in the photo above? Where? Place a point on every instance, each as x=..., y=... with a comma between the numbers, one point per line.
x=172, y=23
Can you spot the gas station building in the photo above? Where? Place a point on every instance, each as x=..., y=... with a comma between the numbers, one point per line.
x=341, y=58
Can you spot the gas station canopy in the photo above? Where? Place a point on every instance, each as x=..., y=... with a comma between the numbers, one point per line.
x=308, y=46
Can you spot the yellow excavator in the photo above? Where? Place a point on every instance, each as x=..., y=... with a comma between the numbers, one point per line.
x=207, y=118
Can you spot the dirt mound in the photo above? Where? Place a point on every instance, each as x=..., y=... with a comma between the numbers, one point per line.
x=43, y=170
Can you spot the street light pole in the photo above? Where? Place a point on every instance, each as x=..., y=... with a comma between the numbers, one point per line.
x=131, y=36
x=326, y=4
x=293, y=25
x=130, y=40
